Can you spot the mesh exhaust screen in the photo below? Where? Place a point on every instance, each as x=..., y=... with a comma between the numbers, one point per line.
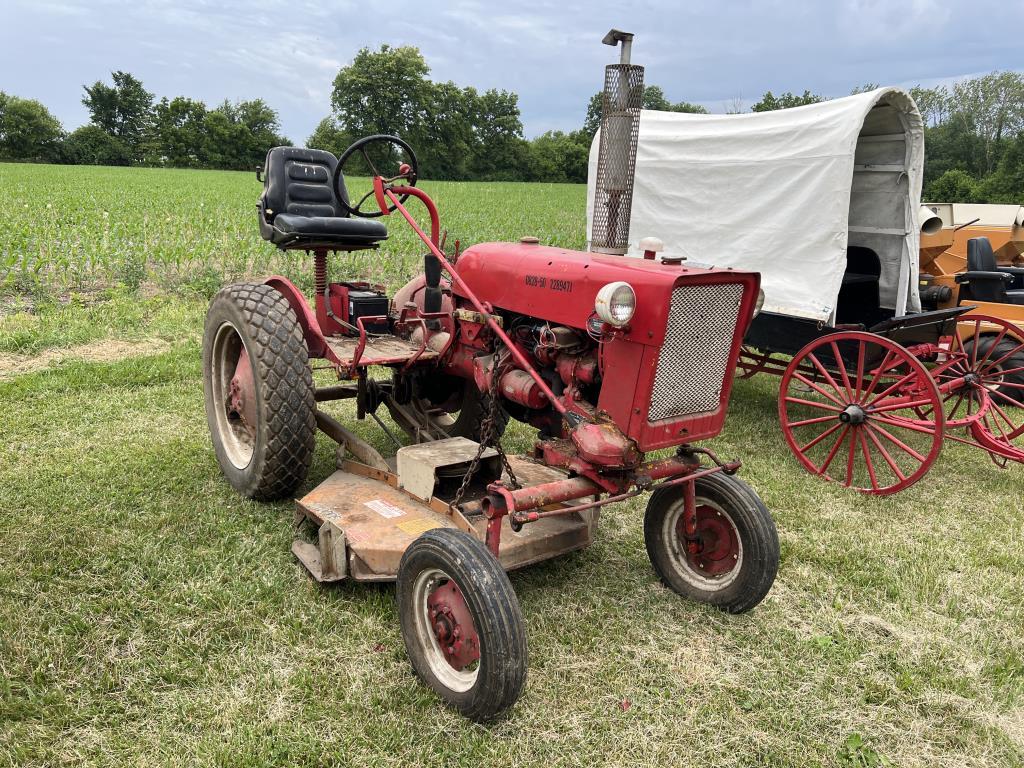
x=616, y=160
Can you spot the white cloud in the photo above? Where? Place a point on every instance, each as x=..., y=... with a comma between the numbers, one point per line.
x=705, y=51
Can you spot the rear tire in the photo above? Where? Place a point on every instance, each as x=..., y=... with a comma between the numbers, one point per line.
x=270, y=457
x=739, y=546
x=467, y=421
x=485, y=687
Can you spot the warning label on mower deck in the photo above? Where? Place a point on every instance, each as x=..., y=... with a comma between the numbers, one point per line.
x=383, y=508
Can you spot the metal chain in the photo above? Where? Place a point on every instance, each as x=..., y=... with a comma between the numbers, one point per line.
x=487, y=436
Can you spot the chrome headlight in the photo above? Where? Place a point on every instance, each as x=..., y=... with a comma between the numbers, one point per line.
x=616, y=303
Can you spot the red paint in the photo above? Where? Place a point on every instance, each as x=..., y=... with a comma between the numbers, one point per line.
x=242, y=392
x=604, y=445
x=518, y=387
x=711, y=544
x=453, y=625
x=521, y=361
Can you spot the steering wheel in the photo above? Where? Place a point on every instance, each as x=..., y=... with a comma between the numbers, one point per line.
x=408, y=171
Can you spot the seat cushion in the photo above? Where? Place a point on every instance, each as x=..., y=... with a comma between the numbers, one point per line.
x=1015, y=297
x=318, y=227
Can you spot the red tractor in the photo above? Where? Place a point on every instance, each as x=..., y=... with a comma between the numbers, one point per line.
x=609, y=358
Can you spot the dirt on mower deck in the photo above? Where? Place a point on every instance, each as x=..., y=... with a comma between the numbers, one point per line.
x=100, y=351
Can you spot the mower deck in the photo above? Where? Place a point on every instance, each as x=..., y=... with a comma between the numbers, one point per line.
x=366, y=522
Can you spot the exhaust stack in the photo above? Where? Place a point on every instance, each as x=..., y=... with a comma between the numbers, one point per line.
x=930, y=221
x=616, y=159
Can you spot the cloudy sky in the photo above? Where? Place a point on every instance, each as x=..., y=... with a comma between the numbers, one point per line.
x=714, y=52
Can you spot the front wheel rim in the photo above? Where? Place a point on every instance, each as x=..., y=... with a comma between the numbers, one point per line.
x=426, y=587
x=719, y=560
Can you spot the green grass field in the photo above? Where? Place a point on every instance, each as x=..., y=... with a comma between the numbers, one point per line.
x=149, y=616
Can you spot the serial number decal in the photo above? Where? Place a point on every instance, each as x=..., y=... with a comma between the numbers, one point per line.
x=539, y=281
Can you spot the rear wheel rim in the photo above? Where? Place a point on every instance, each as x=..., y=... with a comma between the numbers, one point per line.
x=997, y=394
x=426, y=620
x=870, y=418
x=236, y=435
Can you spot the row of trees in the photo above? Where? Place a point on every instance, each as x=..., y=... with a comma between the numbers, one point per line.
x=974, y=129
x=128, y=127
x=974, y=139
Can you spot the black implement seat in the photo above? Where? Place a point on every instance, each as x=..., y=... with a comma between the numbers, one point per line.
x=984, y=280
x=299, y=209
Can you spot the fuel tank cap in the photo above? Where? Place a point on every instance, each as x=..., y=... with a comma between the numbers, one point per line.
x=529, y=240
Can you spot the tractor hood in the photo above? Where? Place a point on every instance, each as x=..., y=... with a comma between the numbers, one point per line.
x=560, y=286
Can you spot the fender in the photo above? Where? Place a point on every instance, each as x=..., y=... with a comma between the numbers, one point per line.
x=315, y=340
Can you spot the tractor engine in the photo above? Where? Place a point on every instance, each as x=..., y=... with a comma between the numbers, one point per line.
x=642, y=350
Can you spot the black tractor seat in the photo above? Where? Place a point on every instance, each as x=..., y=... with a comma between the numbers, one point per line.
x=299, y=209
x=984, y=280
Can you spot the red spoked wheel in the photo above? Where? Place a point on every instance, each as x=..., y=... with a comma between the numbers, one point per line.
x=869, y=416
x=989, y=359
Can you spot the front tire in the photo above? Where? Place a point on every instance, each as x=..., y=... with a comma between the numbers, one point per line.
x=258, y=388
x=736, y=555
x=461, y=623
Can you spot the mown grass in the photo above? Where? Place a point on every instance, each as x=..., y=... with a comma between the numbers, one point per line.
x=149, y=616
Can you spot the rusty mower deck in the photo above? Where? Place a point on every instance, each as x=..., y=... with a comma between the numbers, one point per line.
x=365, y=518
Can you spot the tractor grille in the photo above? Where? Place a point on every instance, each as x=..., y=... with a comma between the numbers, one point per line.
x=693, y=362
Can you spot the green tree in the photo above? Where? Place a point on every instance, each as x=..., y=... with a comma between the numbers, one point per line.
x=178, y=132
x=932, y=103
x=330, y=136
x=382, y=91
x=769, y=102
x=27, y=130
x=1006, y=183
x=238, y=135
x=447, y=142
x=500, y=151
x=654, y=99
x=954, y=144
x=994, y=104
x=559, y=157
x=866, y=88
x=954, y=186
x=91, y=145
x=122, y=109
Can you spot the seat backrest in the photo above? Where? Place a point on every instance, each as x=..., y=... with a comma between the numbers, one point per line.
x=298, y=181
x=980, y=257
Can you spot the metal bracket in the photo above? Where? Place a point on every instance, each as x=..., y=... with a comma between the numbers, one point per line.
x=326, y=560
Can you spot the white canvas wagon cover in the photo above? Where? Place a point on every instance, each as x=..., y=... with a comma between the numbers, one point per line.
x=785, y=193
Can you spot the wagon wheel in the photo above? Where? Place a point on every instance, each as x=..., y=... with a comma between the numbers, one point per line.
x=990, y=354
x=870, y=417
